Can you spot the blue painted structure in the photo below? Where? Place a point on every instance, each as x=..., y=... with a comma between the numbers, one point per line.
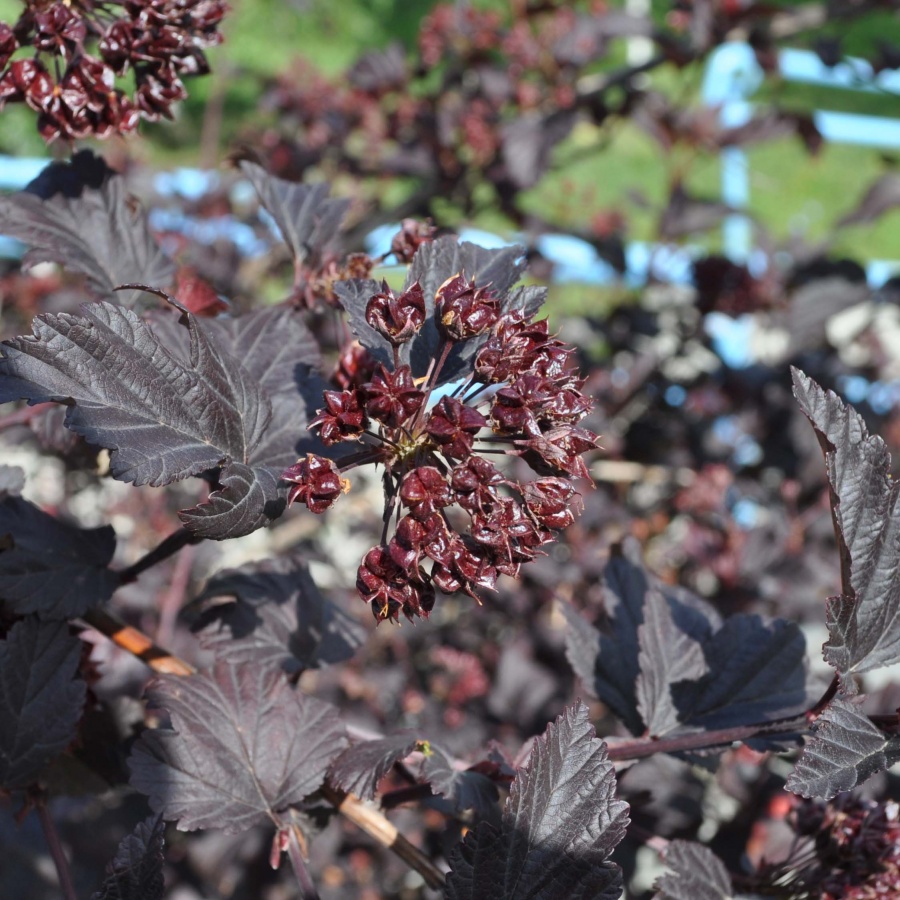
x=731, y=78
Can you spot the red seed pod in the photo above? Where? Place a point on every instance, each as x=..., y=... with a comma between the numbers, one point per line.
x=410, y=237
x=425, y=490
x=390, y=591
x=59, y=30
x=463, y=310
x=397, y=317
x=8, y=43
x=392, y=397
x=559, y=450
x=549, y=501
x=453, y=426
x=317, y=482
x=341, y=419
x=355, y=366
x=476, y=481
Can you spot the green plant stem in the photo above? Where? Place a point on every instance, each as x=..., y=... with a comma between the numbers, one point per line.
x=56, y=851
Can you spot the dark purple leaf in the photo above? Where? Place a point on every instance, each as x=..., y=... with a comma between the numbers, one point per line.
x=464, y=788
x=609, y=663
x=12, y=480
x=881, y=197
x=608, y=673
x=244, y=745
x=52, y=568
x=846, y=749
x=274, y=345
x=667, y=654
x=278, y=618
x=665, y=663
x=280, y=352
x=245, y=498
x=162, y=417
x=78, y=214
x=359, y=769
x=559, y=827
x=40, y=697
x=308, y=219
x=686, y=215
x=756, y=672
x=354, y=295
x=694, y=872
x=136, y=871
x=864, y=620
x=814, y=304
x=528, y=142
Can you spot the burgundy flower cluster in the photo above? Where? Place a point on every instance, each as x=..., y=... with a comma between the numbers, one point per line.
x=74, y=91
x=453, y=520
x=856, y=846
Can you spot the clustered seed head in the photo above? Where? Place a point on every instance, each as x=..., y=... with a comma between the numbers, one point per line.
x=458, y=520
x=857, y=848
x=397, y=317
x=74, y=92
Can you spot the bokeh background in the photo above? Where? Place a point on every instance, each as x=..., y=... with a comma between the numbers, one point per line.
x=711, y=191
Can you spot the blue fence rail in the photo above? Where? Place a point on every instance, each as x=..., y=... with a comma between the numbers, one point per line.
x=731, y=78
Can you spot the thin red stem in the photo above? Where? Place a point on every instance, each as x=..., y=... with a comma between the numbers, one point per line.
x=55, y=847
x=298, y=863
x=703, y=740
x=21, y=416
x=825, y=699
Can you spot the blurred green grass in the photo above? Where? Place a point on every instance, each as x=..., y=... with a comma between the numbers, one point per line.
x=791, y=192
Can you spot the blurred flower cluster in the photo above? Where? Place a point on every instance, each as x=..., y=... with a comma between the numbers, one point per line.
x=855, y=851
x=458, y=520
x=80, y=49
